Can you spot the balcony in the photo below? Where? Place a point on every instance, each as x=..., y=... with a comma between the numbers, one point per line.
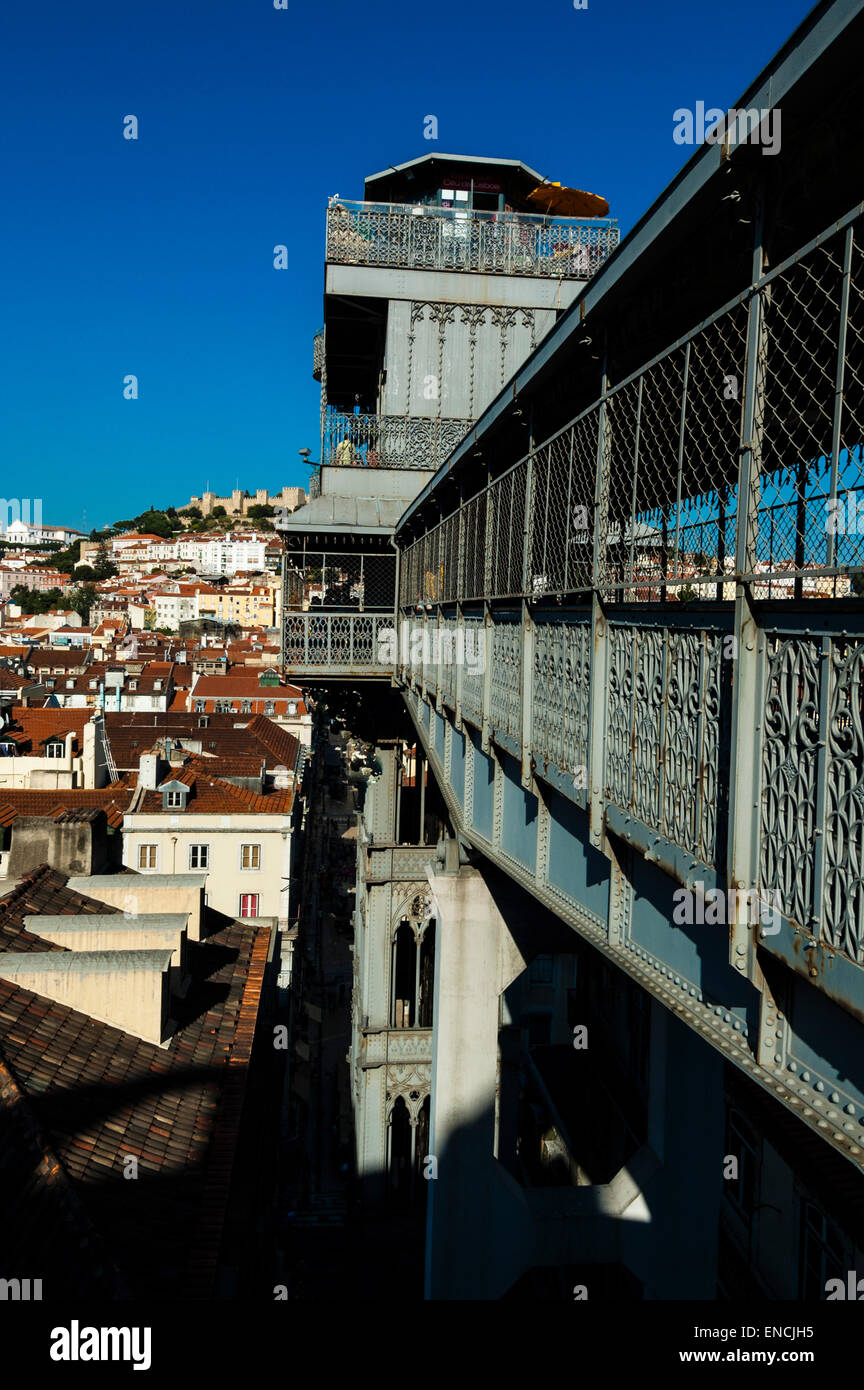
x=493, y=243
x=389, y=441
x=337, y=644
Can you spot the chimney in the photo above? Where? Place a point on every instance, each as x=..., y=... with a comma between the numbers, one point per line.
x=148, y=771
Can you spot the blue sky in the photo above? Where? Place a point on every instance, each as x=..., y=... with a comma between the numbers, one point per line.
x=155, y=256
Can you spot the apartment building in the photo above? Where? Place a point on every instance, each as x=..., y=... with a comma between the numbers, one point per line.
x=265, y=694
x=42, y=749
x=185, y=821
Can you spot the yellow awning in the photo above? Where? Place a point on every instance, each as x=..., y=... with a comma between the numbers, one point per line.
x=559, y=201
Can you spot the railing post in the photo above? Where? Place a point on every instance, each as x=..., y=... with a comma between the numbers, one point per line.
x=397, y=615
x=822, y=759
x=839, y=383
x=460, y=663
x=527, y=695
x=599, y=629
x=489, y=650
x=527, y=630
x=748, y=699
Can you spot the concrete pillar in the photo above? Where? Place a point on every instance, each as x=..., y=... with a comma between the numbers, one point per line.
x=479, y=1230
x=371, y=1134
x=375, y=965
x=379, y=811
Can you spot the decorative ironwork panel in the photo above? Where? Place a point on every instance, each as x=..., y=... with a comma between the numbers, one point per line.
x=327, y=640
x=715, y=751
x=449, y=655
x=473, y=637
x=561, y=697
x=506, y=711
x=619, y=715
x=667, y=729
x=682, y=769
x=426, y=238
x=388, y=441
x=647, y=741
x=790, y=746
x=843, y=899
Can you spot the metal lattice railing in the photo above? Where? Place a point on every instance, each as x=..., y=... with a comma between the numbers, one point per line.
x=350, y=642
x=389, y=441
x=669, y=443
x=505, y=243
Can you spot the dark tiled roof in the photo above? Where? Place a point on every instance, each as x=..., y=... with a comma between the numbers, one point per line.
x=42, y=893
x=100, y=1096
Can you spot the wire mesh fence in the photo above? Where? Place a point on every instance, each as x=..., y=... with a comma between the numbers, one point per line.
x=338, y=579
x=670, y=443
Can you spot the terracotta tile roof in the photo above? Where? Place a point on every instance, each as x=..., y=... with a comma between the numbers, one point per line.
x=113, y=800
x=235, y=751
x=37, y=725
x=58, y=656
x=9, y=680
x=282, y=746
x=40, y=1209
x=42, y=893
x=185, y=775
x=99, y=1095
x=213, y=796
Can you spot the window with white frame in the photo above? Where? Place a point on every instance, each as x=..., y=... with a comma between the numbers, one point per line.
x=54, y=749
x=174, y=799
x=147, y=856
x=250, y=856
x=199, y=856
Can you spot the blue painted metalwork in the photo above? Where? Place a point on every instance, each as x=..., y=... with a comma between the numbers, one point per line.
x=661, y=504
